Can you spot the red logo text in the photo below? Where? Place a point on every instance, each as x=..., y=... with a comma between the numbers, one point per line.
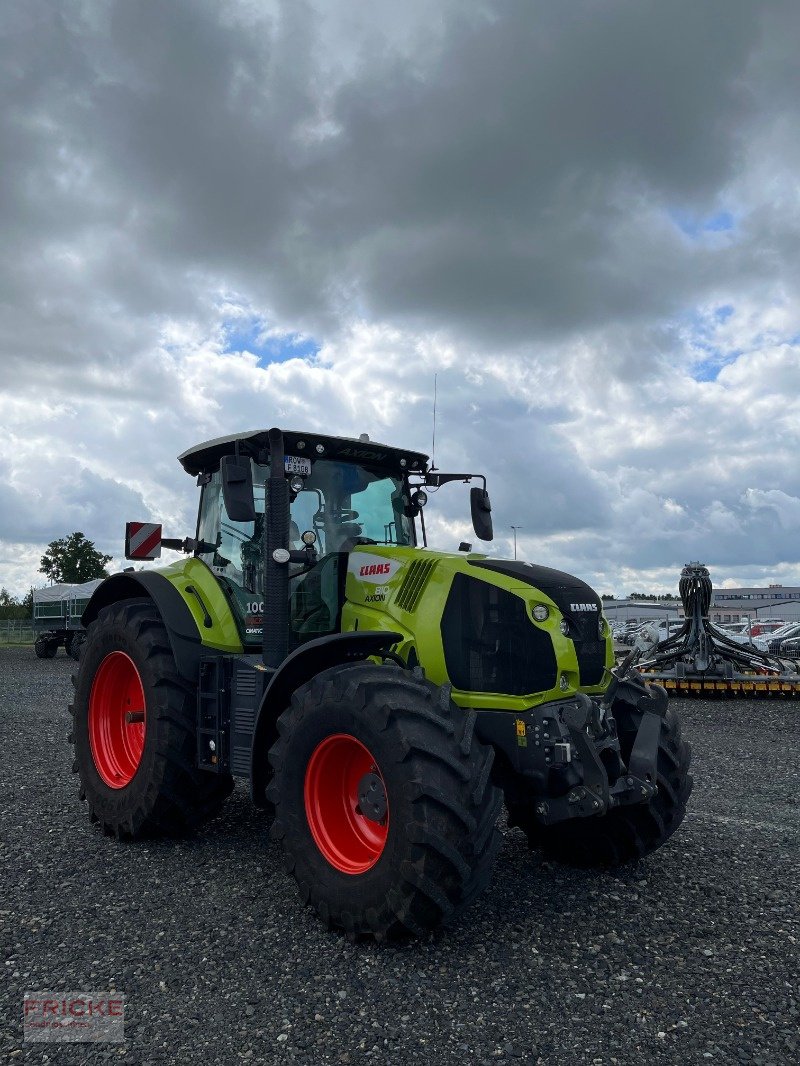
x=374, y=568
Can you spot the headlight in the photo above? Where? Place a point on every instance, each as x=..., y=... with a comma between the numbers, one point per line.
x=564, y=627
x=541, y=612
x=601, y=627
x=563, y=682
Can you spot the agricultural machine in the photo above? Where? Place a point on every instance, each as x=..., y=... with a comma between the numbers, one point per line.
x=700, y=658
x=57, y=611
x=380, y=699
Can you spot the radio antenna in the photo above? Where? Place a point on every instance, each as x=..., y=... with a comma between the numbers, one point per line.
x=433, y=439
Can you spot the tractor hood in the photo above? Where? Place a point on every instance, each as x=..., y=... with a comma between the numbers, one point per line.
x=571, y=595
x=400, y=566
x=486, y=626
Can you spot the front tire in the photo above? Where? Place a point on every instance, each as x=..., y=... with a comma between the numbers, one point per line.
x=384, y=808
x=134, y=730
x=626, y=833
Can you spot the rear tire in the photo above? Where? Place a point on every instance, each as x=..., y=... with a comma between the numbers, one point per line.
x=138, y=777
x=627, y=833
x=434, y=851
x=45, y=647
x=73, y=645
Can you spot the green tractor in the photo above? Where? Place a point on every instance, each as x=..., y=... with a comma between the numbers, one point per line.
x=381, y=699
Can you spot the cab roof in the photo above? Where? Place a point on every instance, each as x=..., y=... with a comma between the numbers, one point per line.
x=204, y=458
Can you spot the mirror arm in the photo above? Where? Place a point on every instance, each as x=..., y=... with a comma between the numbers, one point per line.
x=437, y=480
x=424, y=531
x=187, y=545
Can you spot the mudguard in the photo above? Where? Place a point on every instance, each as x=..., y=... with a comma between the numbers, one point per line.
x=304, y=663
x=184, y=636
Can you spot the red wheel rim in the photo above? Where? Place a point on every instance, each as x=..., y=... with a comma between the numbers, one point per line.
x=117, y=719
x=349, y=841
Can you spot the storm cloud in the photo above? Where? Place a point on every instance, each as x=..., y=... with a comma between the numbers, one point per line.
x=583, y=218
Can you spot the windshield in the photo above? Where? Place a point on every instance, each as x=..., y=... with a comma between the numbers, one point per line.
x=344, y=504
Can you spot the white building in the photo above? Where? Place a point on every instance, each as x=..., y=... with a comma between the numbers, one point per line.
x=775, y=601
x=641, y=610
x=727, y=605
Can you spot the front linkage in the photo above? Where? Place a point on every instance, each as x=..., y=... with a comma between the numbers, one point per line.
x=567, y=757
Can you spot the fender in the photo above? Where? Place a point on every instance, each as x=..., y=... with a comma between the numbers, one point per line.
x=304, y=663
x=182, y=631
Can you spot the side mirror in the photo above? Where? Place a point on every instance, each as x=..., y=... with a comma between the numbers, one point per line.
x=481, y=508
x=237, y=488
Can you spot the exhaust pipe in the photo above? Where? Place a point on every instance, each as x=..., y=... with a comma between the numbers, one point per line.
x=275, y=630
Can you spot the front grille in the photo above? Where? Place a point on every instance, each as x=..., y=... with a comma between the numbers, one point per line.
x=414, y=582
x=566, y=592
x=490, y=643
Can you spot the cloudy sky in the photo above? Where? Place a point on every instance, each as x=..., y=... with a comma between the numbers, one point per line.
x=583, y=217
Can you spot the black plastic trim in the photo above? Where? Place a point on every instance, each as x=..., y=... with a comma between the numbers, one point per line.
x=206, y=457
x=275, y=620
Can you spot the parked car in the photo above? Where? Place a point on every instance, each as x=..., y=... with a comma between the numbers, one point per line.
x=783, y=629
x=790, y=649
x=762, y=627
x=669, y=628
x=628, y=635
x=780, y=637
x=666, y=628
x=739, y=633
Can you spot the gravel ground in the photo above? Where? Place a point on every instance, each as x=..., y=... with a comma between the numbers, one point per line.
x=692, y=956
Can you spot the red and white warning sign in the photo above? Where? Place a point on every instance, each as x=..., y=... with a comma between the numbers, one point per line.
x=142, y=540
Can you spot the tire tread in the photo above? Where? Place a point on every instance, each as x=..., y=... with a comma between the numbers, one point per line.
x=451, y=839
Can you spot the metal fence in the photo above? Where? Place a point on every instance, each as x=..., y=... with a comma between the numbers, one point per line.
x=16, y=631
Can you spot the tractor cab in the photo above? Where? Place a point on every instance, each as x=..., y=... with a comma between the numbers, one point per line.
x=342, y=493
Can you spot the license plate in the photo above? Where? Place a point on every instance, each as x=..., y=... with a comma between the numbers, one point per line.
x=297, y=464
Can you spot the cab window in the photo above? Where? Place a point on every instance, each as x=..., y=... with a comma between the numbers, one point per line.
x=237, y=551
x=342, y=503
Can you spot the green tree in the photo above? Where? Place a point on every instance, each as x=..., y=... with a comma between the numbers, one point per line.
x=10, y=606
x=73, y=559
